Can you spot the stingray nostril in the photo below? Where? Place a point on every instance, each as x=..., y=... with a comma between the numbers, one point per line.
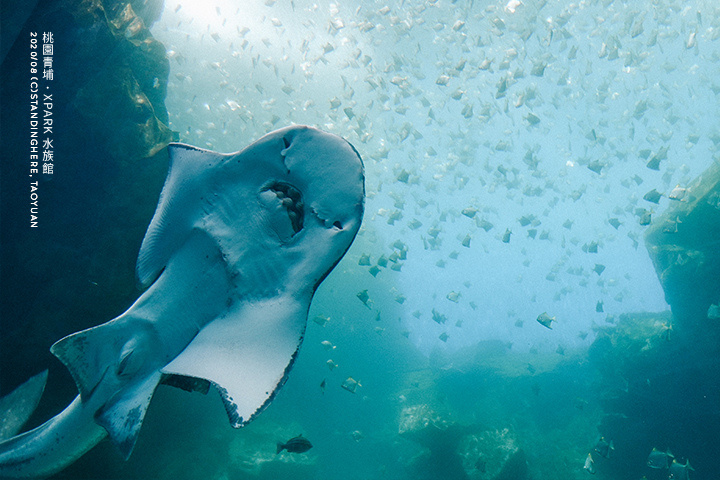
x=286, y=142
x=337, y=225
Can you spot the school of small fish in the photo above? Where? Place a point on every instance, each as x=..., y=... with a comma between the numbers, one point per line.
x=515, y=151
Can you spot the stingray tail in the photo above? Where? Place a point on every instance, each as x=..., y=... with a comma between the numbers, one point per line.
x=17, y=406
x=52, y=446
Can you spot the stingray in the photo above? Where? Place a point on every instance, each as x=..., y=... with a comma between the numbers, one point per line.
x=230, y=262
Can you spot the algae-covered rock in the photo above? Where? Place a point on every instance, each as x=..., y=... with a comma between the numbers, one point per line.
x=421, y=423
x=683, y=246
x=656, y=385
x=123, y=93
x=457, y=451
x=439, y=436
x=492, y=455
x=76, y=268
x=109, y=71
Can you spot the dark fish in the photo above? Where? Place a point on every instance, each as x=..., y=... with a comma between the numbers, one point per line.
x=653, y=196
x=599, y=306
x=364, y=297
x=603, y=448
x=532, y=119
x=351, y=385
x=526, y=220
x=414, y=224
x=654, y=163
x=506, y=236
x=615, y=223
x=485, y=225
x=646, y=218
x=469, y=212
x=599, y=268
x=321, y=320
x=667, y=328
x=298, y=444
x=678, y=471
x=659, y=459
x=596, y=166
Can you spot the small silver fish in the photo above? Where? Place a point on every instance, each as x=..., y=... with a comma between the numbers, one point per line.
x=321, y=320
x=351, y=385
x=546, y=320
x=589, y=464
x=678, y=193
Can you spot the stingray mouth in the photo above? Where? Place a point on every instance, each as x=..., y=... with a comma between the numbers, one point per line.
x=291, y=200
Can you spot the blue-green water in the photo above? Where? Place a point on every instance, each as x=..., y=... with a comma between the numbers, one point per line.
x=608, y=82
x=473, y=119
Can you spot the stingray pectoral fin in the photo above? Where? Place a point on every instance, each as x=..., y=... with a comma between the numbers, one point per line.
x=247, y=355
x=123, y=415
x=181, y=198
